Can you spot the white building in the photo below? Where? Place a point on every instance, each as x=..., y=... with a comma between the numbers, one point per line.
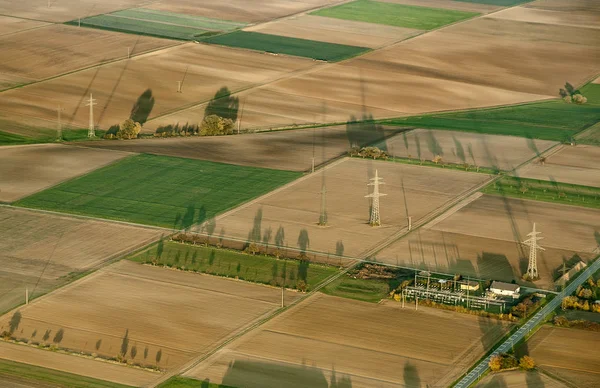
x=505, y=289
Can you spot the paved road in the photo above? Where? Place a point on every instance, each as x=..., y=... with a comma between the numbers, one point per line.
x=470, y=378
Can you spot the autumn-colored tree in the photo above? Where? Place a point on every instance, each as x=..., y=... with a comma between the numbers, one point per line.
x=129, y=129
x=526, y=363
x=214, y=125
x=495, y=363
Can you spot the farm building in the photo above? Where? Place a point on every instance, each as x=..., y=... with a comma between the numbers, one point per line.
x=470, y=285
x=505, y=289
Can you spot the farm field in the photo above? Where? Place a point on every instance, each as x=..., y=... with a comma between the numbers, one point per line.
x=317, y=342
x=285, y=150
x=518, y=378
x=398, y=15
x=591, y=136
x=117, y=86
x=59, y=49
x=573, y=18
x=10, y=25
x=40, y=251
x=249, y=11
x=181, y=315
x=469, y=6
x=503, y=152
x=578, y=165
x=564, y=5
x=297, y=206
x=277, y=44
x=482, y=239
x=338, y=31
x=29, y=169
x=160, y=190
x=62, y=370
x=576, y=363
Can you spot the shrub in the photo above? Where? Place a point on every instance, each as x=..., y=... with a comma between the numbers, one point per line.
x=214, y=125
x=526, y=363
x=129, y=129
x=495, y=363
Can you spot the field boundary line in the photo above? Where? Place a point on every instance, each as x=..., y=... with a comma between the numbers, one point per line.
x=26, y=29
x=596, y=372
x=451, y=211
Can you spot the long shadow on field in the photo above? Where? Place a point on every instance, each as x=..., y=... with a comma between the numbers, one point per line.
x=143, y=107
x=495, y=266
x=223, y=104
x=487, y=327
x=497, y=381
x=534, y=380
x=411, y=376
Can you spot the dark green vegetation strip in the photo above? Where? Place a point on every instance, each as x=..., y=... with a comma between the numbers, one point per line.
x=183, y=382
x=24, y=373
x=399, y=15
x=563, y=193
x=503, y=3
x=160, y=190
x=549, y=120
x=10, y=138
x=359, y=289
x=224, y=262
x=284, y=45
x=46, y=136
x=179, y=19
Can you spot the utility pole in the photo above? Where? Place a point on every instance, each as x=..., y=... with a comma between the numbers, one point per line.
x=59, y=125
x=375, y=219
x=26, y=295
x=282, y=296
x=409, y=223
x=531, y=242
x=128, y=52
x=91, y=103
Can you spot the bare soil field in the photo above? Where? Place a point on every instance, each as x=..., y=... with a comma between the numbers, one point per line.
x=58, y=49
x=317, y=342
x=519, y=378
x=449, y=4
x=482, y=239
x=251, y=11
x=567, y=353
x=582, y=18
x=39, y=251
x=31, y=168
x=566, y=5
x=63, y=10
x=339, y=31
x=285, y=150
x=504, y=152
x=296, y=207
x=180, y=314
x=76, y=365
x=10, y=25
x=204, y=70
x=578, y=165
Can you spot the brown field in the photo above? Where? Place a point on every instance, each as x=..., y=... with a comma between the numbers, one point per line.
x=76, y=365
x=117, y=86
x=504, y=152
x=481, y=239
x=370, y=345
x=250, y=11
x=28, y=169
x=581, y=18
x=339, y=31
x=57, y=49
x=448, y=4
x=39, y=250
x=180, y=313
x=296, y=206
x=567, y=354
x=10, y=25
x=578, y=165
x=566, y=5
x=519, y=378
x=63, y=10
x=284, y=150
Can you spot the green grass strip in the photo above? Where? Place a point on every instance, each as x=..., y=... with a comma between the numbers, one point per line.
x=11, y=139
x=284, y=45
x=358, y=289
x=160, y=190
x=184, y=382
x=502, y=3
x=398, y=15
x=179, y=19
x=26, y=373
x=547, y=191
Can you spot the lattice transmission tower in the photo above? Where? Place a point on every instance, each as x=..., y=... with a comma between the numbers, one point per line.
x=91, y=103
x=375, y=219
x=532, y=243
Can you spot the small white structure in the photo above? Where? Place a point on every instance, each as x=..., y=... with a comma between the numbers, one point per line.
x=505, y=289
x=470, y=285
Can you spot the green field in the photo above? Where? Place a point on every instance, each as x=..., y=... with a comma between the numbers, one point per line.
x=184, y=382
x=28, y=374
x=398, y=15
x=290, y=46
x=178, y=19
x=359, y=289
x=503, y=3
x=159, y=190
x=229, y=263
x=546, y=191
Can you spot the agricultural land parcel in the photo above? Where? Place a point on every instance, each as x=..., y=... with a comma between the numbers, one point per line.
x=52, y=50
x=399, y=15
x=10, y=25
x=160, y=190
x=277, y=44
x=282, y=150
x=483, y=239
x=420, y=189
x=519, y=378
x=578, y=165
x=40, y=251
x=117, y=86
x=479, y=7
x=317, y=342
x=28, y=169
x=391, y=81
x=158, y=23
x=180, y=314
x=502, y=152
x=567, y=353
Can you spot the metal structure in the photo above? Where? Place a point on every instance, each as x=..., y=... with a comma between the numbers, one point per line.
x=375, y=219
x=91, y=103
x=531, y=242
x=323, y=213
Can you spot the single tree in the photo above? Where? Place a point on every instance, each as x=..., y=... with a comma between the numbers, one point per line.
x=495, y=363
x=129, y=129
x=526, y=363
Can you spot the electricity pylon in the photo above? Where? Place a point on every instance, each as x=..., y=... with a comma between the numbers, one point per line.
x=531, y=242
x=323, y=214
x=91, y=103
x=375, y=219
